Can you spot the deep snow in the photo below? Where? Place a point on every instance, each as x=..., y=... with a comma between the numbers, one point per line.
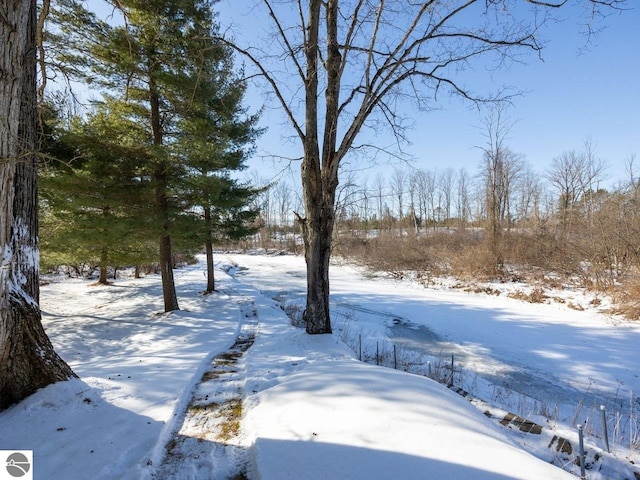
x=311, y=409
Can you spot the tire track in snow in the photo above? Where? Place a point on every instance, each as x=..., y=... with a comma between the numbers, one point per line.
x=207, y=442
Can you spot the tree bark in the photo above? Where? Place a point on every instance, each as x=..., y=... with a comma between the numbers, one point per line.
x=317, y=248
x=162, y=205
x=317, y=233
x=209, y=251
x=102, y=278
x=27, y=358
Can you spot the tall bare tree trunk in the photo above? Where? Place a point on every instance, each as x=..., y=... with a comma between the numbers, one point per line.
x=317, y=230
x=320, y=173
x=27, y=359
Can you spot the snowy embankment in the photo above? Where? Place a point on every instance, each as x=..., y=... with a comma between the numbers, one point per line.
x=320, y=414
x=311, y=410
x=136, y=368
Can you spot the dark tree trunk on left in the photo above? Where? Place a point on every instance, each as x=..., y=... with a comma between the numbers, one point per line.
x=27, y=359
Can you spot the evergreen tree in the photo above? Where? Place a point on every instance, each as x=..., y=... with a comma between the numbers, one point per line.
x=96, y=199
x=216, y=136
x=162, y=69
x=222, y=204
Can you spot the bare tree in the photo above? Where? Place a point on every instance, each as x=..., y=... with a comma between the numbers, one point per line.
x=427, y=195
x=398, y=183
x=421, y=196
x=446, y=181
x=27, y=359
x=463, y=207
x=595, y=168
x=499, y=171
x=380, y=188
x=529, y=196
x=412, y=187
x=365, y=207
x=573, y=174
x=354, y=63
x=634, y=180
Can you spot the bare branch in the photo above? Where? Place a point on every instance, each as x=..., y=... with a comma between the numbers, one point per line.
x=548, y=4
x=42, y=16
x=291, y=53
x=271, y=80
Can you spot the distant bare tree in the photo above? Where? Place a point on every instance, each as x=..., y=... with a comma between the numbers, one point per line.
x=430, y=190
x=446, y=181
x=530, y=196
x=499, y=172
x=412, y=187
x=379, y=189
x=463, y=206
x=398, y=185
x=365, y=207
x=572, y=175
x=424, y=190
x=630, y=167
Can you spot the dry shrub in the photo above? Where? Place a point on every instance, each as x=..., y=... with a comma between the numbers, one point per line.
x=485, y=290
x=462, y=255
x=627, y=299
x=537, y=295
x=553, y=283
x=536, y=252
x=575, y=306
x=475, y=261
x=388, y=253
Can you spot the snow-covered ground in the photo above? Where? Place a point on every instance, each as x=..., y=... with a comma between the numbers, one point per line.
x=310, y=409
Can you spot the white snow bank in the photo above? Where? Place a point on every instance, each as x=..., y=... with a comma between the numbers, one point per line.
x=319, y=414
x=137, y=368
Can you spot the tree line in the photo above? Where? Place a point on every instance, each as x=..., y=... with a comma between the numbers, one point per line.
x=502, y=220
x=148, y=170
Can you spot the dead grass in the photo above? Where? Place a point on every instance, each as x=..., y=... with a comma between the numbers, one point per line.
x=537, y=295
x=206, y=407
x=231, y=414
x=537, y=257
x=482, y=289
x=627, y=298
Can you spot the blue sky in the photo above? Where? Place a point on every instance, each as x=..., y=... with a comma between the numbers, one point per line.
x=571, y=95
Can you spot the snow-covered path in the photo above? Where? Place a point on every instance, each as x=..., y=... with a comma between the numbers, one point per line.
x=206, y=441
